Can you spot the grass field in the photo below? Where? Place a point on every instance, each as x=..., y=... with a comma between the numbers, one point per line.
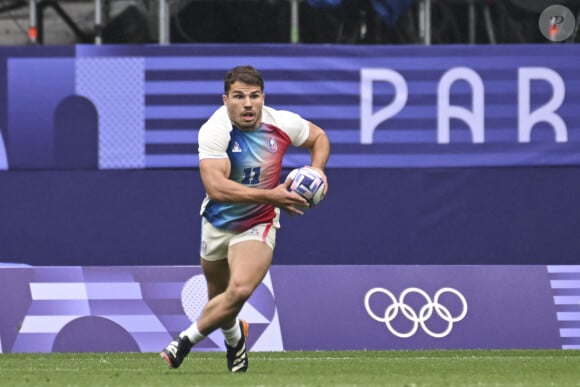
x=345, y=368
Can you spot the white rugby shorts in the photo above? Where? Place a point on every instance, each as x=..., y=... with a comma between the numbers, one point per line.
x=215, y=242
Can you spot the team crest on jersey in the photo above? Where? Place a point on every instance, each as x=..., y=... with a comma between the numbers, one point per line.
x=236, y=148
x=272, y=144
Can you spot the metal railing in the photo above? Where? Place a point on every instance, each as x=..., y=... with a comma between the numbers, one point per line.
x=35, y=25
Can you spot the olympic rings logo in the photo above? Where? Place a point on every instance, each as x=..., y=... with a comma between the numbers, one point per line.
x=418, y=319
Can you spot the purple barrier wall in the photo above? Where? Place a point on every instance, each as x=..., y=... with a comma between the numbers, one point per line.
x=296, y=308
x=498, y=216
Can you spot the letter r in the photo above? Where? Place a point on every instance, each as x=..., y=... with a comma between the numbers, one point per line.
x=546, y=113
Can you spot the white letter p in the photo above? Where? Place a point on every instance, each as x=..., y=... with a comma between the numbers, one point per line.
x=369, y=120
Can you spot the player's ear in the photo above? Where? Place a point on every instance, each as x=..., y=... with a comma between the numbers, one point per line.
x=224, y=98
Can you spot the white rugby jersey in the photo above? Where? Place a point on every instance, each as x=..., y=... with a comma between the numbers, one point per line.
x=256, y=161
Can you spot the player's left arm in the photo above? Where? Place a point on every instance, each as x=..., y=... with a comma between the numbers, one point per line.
x=319, y=146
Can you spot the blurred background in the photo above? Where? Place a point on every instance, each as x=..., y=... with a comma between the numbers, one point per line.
x=277, y=21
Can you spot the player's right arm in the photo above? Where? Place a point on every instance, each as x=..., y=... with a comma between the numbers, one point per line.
x=214, y=175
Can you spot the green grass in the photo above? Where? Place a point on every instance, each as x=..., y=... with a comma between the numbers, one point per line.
x=344, y=368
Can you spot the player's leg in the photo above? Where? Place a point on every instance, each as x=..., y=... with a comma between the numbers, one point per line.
x=249, y=258
x=263, y=238
x=214, y=252
x=236, y=355
x=217, y=275
x=249, y=262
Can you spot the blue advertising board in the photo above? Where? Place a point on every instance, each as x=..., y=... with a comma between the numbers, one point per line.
x=383, y=106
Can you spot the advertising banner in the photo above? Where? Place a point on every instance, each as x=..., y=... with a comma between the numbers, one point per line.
x=113, y=107
x=139, y=309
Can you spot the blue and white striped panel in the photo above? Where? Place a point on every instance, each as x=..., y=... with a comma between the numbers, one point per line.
x=565, y=284
x=323, y=83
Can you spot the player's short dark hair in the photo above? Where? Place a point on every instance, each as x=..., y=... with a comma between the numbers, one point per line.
x=245, y=74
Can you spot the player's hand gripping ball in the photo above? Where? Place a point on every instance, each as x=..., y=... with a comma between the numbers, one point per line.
x=307, y=183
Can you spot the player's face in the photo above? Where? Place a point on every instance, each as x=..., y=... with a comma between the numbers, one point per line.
x=244, y=103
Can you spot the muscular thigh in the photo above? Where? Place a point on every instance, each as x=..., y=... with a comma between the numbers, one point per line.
x=237, y=259
x=249, y=262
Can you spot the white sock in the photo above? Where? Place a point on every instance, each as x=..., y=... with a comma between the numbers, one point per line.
x=233, y=334
x=192, y=334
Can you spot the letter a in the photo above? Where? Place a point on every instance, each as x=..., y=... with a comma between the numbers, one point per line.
x=474, y=118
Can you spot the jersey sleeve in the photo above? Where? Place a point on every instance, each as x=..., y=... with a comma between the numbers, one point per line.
x=214, y=136
x=294, y=125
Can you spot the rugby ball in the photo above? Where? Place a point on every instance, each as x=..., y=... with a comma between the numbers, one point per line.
x=307, y=183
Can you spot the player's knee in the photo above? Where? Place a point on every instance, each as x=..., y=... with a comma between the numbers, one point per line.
x=239, y=293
